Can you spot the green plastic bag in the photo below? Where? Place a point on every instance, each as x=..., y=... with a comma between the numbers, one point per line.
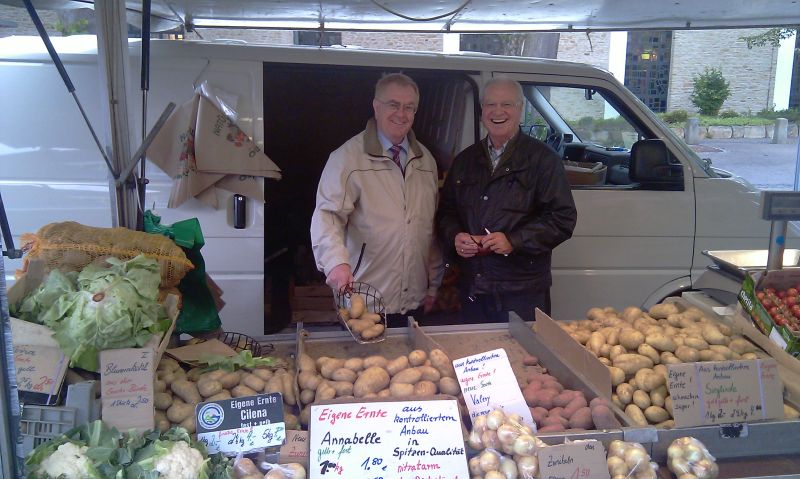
x=198, y=313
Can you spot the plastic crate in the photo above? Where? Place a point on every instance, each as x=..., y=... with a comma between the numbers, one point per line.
x=42, y=423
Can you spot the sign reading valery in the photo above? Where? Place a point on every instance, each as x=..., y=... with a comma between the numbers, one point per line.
x=40, y=372
x=488, y=382
x=573, y=460
x=241, y=424
x=381, y=440
x=720, y=392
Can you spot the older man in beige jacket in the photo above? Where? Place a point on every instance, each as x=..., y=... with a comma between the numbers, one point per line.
x=375, y=208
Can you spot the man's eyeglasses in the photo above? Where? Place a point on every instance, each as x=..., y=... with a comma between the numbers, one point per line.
x=394, y=106
x=506, y=105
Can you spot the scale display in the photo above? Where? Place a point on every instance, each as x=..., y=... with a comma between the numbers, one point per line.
x=780, y=205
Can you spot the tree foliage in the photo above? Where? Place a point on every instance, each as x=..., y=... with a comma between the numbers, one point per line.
x=771, y=37
x=711, y=89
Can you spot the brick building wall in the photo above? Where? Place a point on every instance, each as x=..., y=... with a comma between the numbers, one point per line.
x=418, y=42
x=15, y=21
x=751, y=72
x=582, y=48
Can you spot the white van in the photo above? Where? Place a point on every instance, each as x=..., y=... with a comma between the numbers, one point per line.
x=647, y=204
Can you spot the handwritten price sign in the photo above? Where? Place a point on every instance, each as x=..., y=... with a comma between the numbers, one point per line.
x=575, y=460
x=244, y=439
x=40, y=371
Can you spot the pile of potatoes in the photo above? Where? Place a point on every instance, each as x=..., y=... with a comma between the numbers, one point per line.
x=177, y=392
x=555, y=409
x=637, y=347
x=366, y=324
x=415, y=374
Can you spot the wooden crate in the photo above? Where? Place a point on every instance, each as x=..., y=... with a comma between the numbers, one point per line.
x=313, y=304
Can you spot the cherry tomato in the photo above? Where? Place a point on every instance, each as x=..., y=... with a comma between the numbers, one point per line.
x=792, y=291
x=760, y=295
x=790, y=300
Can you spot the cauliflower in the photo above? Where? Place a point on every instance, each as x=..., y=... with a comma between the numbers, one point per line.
x=68, y=461
x=182, y=462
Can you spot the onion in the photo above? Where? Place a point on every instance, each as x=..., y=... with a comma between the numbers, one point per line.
x=494, y=475
x=674, y=450
x=475, y=466
x=617, y=448
x=495, y=419
x=509, y=468
x=474, y=440
x=514, y=418
x=635, y=457
x=489, y=461
x=645, y=472
x=479, y=424
x=275, y=474
x=507, y=433
x=525, y=445
x=692, y=452
x=705, y=469
x=523, y=429
x=490, y=440
x=687, y=476
x=294, y=470
x=528, y=466
x=678, y=465
x=616, y=466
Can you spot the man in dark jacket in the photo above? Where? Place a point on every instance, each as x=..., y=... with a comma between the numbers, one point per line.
x=505, y=205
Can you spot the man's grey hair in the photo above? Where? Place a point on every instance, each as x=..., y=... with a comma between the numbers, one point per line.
x=503, y=81
x=399, y=79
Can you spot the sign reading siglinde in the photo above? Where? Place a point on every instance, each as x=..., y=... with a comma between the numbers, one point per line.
x=398, y=440
x=242, y=424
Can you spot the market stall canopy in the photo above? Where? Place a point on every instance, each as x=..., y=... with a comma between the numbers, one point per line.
x=456, y=16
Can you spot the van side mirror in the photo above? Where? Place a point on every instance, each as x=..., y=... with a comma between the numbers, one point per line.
x=653, y=165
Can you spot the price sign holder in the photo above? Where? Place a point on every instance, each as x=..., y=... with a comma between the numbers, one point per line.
x=488, y=382
x=378, y=439
x=573, y=460
x=723, y=392
x=241, y=425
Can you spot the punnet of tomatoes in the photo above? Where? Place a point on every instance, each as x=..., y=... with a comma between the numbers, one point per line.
x=783, y=305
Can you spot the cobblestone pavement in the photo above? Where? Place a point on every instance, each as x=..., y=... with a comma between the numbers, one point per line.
x=765, y=165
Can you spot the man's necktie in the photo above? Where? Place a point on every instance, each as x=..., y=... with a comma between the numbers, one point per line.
x=395, y=150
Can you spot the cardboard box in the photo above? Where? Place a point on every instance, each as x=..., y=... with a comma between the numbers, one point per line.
x=124, y=409
x=788, y=340
x=581, y=173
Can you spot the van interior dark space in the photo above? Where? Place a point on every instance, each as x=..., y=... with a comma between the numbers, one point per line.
x=299, y=140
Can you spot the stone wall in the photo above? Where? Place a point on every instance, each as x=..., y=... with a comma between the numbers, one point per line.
x=751, y=72
x=582, y=48
x=15, y=21
x=417, y=42
x=249, y=35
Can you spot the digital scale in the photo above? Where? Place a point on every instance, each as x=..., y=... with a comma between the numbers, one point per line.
x=779, y=207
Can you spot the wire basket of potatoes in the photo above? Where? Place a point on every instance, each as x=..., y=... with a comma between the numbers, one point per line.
x=361, y=311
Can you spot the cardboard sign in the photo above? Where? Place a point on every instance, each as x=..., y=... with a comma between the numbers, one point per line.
x=295, y=449
x=574, y=460
x=488, y=382
x=126, y=387
x=242, y=424
x=722, y=392
x=40, y=372
x=398, y=440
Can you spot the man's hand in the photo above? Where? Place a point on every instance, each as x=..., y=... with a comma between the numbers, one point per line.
x=467, y=245
x=428, y=303
x=339, y=277
x=498, y=243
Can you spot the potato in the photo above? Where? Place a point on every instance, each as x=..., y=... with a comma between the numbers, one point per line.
x=687, y=354
x=603, y=417
x=712, y=335
x=342, y=388
x=324, y=392
x=659, y=395
x=581, y=419
x=449, y=386
x=190, y=424
x=167, y=364
x=224, y=394
x=186, y=390
x=289, y=396
x=565, y=397
x=209, y=388
x=630, y=339
x=357, y=305
x=194, y=374
x=615, y=401
x=396, y=365
x=371, y=380
x=417, y=357
x=179, y=411
x=636, y=415
x=641, y=399
x=425, y=388
x=709, y=355
x=407, y=376
x=307, y=396
x=442, y=362
x=159, y=386
x=647, y=379
x=373, y=318
x=543, y=398
x=401, y=390
x=229, y=380
x=161, y=421
x=375, y=361
x=162, y=401
x=253, y=382
x=723, y=350
x=329, y=366
x=552, y=428
x=354, y=364
x=649, y=351
x=617, y=375
x=344, y=374
x=660, y=342
x=595, y=343
x=656, y=414
x=741, y=346
x=551, y=419
x=309, y=380
x=373, y=331
x=581, y=336
x=263, y=374
x=429, y=373
x=669, y=358
x=306, y=363
x=663, y=310
x=630, y=363
x=242, y=391
x=574, y=405
x=625, y=393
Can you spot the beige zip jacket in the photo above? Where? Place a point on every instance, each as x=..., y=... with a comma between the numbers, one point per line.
x=363, y=198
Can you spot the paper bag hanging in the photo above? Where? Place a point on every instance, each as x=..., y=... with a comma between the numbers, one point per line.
x=202, y=149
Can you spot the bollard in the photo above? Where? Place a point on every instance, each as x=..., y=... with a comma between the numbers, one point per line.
x=781, y=132
x=692, y=135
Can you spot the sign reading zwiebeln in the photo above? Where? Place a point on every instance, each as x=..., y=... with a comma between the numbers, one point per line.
x=242, y=424
x=721, y=392
x=398, y=440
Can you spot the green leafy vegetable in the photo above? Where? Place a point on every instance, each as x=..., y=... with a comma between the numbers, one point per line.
x=37, y=303
x=84, y=451
x=243, y=359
